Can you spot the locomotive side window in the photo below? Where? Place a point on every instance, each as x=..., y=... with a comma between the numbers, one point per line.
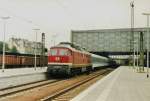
x=53, y=52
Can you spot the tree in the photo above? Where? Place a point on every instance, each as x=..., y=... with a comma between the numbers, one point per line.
x=1, y=46
x=14, y=50
x=6, y=47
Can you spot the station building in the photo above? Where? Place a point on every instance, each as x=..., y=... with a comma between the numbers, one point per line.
x=115, y=43
x=25, y=46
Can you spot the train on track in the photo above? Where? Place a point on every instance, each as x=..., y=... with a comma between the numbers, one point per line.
x=70, y=59
x=17, y=60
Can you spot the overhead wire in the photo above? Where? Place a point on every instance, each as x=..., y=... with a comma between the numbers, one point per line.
x=12, y=14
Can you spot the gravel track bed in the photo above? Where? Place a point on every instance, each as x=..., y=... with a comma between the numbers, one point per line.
x=72, y=93
x=38, y=93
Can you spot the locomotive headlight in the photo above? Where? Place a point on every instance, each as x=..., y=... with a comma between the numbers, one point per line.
x=57, y=58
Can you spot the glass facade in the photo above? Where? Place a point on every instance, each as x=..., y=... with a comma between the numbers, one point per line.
x=108, y=40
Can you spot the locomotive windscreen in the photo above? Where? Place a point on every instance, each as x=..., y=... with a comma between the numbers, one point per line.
x=60, y=52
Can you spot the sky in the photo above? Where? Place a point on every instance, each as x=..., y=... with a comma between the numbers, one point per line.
x=57, y=18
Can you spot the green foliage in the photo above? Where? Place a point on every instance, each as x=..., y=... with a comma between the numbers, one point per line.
x=1, y=46
x=6, y=47
x=14, y=50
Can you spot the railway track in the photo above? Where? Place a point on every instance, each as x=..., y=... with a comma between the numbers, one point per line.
x=13, y=90
x=53, y=91
x=67, y=93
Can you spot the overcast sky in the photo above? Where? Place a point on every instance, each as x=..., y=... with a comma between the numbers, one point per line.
x=61, y=16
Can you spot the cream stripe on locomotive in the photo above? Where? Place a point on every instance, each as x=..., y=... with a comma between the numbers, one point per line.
x=53, y=63
x=70, y=64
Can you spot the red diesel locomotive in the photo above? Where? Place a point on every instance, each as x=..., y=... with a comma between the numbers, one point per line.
x=67, y=58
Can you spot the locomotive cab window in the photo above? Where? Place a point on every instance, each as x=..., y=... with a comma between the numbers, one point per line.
x=64, y=52
x=53, y=52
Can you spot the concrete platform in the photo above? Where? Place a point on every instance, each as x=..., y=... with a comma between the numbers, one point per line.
x=20, y=76
x=21, y=71
x=123, y=84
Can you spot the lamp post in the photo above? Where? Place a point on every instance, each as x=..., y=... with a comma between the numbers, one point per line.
x=4, y=19
x=35, y=46
x=147, y=14
x=132, y=43
x=137, y=51
x=54, y=38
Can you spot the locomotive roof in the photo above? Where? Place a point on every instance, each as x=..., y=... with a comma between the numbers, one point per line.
x=71, y=46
